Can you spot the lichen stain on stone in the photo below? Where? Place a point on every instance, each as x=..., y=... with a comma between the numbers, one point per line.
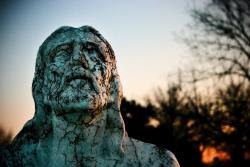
x=77, y=122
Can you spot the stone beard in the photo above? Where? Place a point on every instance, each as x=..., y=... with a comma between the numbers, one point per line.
x=77, y=122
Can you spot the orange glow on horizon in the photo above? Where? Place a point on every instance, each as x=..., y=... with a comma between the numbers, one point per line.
x=247, y=155
x=153, y=122
x=209, y=154
x=228, y=129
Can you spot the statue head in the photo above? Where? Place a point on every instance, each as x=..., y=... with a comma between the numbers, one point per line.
x=75, y=72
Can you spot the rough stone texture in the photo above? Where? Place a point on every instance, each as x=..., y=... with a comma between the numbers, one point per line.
x=77, y=122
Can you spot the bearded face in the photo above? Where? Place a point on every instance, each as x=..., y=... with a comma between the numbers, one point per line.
x=76, y=73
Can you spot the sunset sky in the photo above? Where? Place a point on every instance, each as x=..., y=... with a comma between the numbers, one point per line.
x=141, y=32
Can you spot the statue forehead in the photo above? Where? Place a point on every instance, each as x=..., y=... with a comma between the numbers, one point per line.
x=71, y=35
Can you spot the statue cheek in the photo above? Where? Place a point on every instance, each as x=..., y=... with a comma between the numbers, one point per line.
x=54, y=73
x=57, y=70
x=51, y=84
x=51, y=78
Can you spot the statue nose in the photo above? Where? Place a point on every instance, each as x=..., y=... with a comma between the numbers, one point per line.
x=79, y=57
x=83, y=61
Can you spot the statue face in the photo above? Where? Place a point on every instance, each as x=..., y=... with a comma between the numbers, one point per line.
x=77, y=73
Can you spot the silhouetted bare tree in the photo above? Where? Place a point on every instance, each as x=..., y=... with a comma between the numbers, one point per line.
x=221, y=37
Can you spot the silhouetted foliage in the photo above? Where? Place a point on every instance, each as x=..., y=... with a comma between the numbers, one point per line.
x=191, y=122
x=234, y=108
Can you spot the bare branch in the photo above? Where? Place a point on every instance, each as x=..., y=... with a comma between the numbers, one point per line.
x=224, y=33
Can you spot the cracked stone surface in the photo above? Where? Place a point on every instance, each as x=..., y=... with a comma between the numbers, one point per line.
x=77, y=121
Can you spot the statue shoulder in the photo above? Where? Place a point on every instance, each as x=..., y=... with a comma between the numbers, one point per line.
x=152, y=155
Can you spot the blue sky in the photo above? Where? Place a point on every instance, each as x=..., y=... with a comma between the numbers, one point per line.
x=141, y=33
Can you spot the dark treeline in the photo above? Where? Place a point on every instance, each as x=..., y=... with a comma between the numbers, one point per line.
x=190, y=122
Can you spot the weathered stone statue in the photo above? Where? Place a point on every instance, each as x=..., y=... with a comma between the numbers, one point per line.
x=77, y=122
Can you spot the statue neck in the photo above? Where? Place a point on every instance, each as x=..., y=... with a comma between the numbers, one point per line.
x=90, y=136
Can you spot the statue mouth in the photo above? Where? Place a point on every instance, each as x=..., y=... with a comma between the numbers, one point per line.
x=83, y=78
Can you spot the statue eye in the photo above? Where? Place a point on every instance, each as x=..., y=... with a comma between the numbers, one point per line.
x=61, y=54
x=93, y=58
x=66, y=48
x=62, y=50
x=89, y=47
